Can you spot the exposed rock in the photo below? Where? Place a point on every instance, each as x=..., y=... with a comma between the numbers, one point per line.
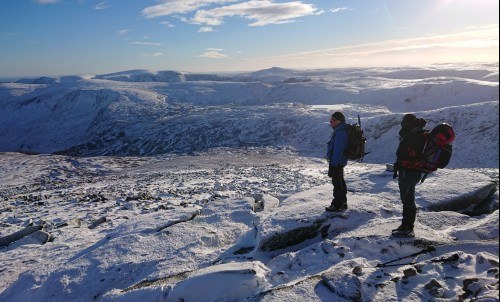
x=171, y=223
x=485, y=258
x=265, y=202
x=346, y=286
x=38, y=237
x=434, y=288
x=292, y=237
x=358, y=271
x=77, y=222
x=4, y=241
x=60, y=225
x=410, y=272
x=472, y=287
x=464, y=201
x=97, y=222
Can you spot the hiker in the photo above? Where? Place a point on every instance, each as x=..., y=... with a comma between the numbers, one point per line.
x=337, y=161
x=409, y=155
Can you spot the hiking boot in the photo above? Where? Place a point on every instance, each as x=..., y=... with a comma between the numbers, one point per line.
x=403, y=233
x=333, y=208
x=399, y=229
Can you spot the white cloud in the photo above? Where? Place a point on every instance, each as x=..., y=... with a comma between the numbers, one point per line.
x=102, y=5
x=145, y=43
x=263, y=12
x=169, y=7
x=123, y=31
x=338, y=9
x=205, y=29
x=213, y=53
x=167, y=24
x=46, y=1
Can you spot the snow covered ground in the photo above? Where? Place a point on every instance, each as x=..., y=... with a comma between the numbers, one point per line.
x=238, y=225
x=234, y=210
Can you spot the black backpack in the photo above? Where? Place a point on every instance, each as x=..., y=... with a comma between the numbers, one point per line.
x=356, y=142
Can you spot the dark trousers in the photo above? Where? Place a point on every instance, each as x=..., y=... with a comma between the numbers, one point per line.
x=339, y=186
x=407, y=181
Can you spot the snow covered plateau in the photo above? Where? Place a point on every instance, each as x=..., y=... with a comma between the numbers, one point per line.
x=172, y=186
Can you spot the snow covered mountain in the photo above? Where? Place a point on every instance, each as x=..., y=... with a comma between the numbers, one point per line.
x=226, y=201
x=149, y=113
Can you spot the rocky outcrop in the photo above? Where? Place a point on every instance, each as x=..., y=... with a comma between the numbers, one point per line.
x=467, y=202
x=293, y=237
x=344, y=285
x=5, y=241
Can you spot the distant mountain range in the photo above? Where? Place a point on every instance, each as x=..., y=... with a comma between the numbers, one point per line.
x=145, y=113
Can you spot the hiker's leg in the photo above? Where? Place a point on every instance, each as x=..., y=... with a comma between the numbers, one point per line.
x=344, y=187
x=339, y=188
x=407, y=181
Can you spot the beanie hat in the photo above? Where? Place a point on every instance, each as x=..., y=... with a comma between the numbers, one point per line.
x=338, y=116
x=409, y=121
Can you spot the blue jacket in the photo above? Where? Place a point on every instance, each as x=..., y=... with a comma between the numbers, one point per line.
x=337, y=145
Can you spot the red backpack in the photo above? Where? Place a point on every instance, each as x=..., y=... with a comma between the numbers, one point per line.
x=438, y=149
x=436, y=152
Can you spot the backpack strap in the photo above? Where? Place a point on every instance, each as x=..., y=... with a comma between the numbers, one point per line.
x=414, y=160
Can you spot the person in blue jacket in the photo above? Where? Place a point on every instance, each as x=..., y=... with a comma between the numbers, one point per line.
x=337, y=161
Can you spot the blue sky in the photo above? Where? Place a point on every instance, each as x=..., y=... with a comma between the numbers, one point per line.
x=69, y=37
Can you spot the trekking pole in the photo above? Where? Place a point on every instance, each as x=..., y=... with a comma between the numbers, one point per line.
x=424, y=251
x=423, y=178
x=454, y=257
x=365, y=153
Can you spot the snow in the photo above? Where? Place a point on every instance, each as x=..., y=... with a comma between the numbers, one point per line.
x=240, y=217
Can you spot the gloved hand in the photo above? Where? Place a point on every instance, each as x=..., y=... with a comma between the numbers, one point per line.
x=395, y=172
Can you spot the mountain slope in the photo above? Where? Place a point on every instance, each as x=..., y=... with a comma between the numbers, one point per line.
x=145, y=113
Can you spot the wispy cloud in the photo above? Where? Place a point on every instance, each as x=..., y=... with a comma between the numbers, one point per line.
x=150, y=54
x=205, y=29
x=167, y=24
x=472, y=45
x=102, y=5
x=123, y=31
x=46, y=1
x=169, y=7
x=262, y=12
x=338, y=9
x=213, y=53
x=145, y=43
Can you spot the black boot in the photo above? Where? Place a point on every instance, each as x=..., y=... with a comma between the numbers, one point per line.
x=403, y=231
x=335, y=207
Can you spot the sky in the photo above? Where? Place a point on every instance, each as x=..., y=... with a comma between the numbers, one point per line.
x=70, y=37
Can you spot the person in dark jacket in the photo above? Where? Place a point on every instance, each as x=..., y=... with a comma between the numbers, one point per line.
x=406, y=169
x=337, y=161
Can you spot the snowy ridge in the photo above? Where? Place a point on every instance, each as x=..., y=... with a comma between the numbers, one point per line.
x=144, y=115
